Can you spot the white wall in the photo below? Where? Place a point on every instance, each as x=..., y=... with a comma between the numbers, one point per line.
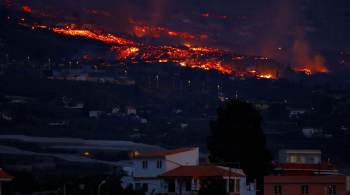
x=154, y=185
x=151, y=170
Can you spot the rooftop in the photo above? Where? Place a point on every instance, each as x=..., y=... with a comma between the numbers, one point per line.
x=301, y=151
x=306, y=169
x=161, y=154
x=203, y=171
x=311, y=167
x=336, y=179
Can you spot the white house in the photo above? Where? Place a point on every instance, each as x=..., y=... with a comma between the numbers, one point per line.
x=296, y=113
x=4, y=177
x=95, y=113
x=178, y=172
x=310, y=132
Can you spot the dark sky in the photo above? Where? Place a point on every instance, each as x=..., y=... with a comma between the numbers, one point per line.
x=255, y=26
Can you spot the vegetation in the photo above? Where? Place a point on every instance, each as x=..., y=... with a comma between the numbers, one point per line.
x=236, y=139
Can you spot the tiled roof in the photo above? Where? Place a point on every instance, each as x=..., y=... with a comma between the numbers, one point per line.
x=161, y=153
x=4, y=176
x=203, y=171
x=306, y=167
x=314, y=179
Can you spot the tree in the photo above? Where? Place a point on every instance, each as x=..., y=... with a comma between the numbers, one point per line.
x=236, y=137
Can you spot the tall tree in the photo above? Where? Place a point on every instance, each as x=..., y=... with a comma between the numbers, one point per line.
x=236, y=137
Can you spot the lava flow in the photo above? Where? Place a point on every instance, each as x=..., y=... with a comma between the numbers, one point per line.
x=141, y=29
x=106, y=38
x=204, y=58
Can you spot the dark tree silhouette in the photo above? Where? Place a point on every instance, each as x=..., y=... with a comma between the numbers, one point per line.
x=236, y=137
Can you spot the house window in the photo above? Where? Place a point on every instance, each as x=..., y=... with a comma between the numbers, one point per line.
x=231, y=185
x=332, y=189
x=188, y=186
x=159, y=164
x=304, y=189
x=293, y=159
x=145, y=187
x=171, y=186
x=278, y=189
x=144, y=164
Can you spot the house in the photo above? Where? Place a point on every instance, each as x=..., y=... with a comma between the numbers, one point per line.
x=300, y=156
x=4, y=177
x=115, y=110
x=95, y=113
x=131, y=110
x=303, y=172
x=190, y=179
x=305, y=185
x=348, y=185
x=178, y=172
x=311, y=132
x=296, y=113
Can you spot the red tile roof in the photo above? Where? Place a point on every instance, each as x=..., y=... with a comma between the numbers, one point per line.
x=306, y=169
x=203, y=171
x=310, y=167
x=160, y=154
x=314, y=179
x=5, y=176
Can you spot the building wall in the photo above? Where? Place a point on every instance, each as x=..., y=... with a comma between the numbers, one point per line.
x=300, y=156
x=169, y=162
x=291, y=185
x=154, y=185
x=151, y=170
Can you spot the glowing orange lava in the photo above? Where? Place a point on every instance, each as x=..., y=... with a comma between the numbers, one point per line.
x=204, y=58
x=106, y=38
x=141, y=29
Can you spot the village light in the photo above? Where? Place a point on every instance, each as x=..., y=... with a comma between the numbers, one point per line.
x=134, y=154
x=87, y=153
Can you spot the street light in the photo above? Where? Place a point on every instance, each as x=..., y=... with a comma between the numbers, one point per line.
x=99, y=186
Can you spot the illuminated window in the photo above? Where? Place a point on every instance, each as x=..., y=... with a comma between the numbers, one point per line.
x=293, y=158
x=144, y=164
x=304, y=189
x=278, y=189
